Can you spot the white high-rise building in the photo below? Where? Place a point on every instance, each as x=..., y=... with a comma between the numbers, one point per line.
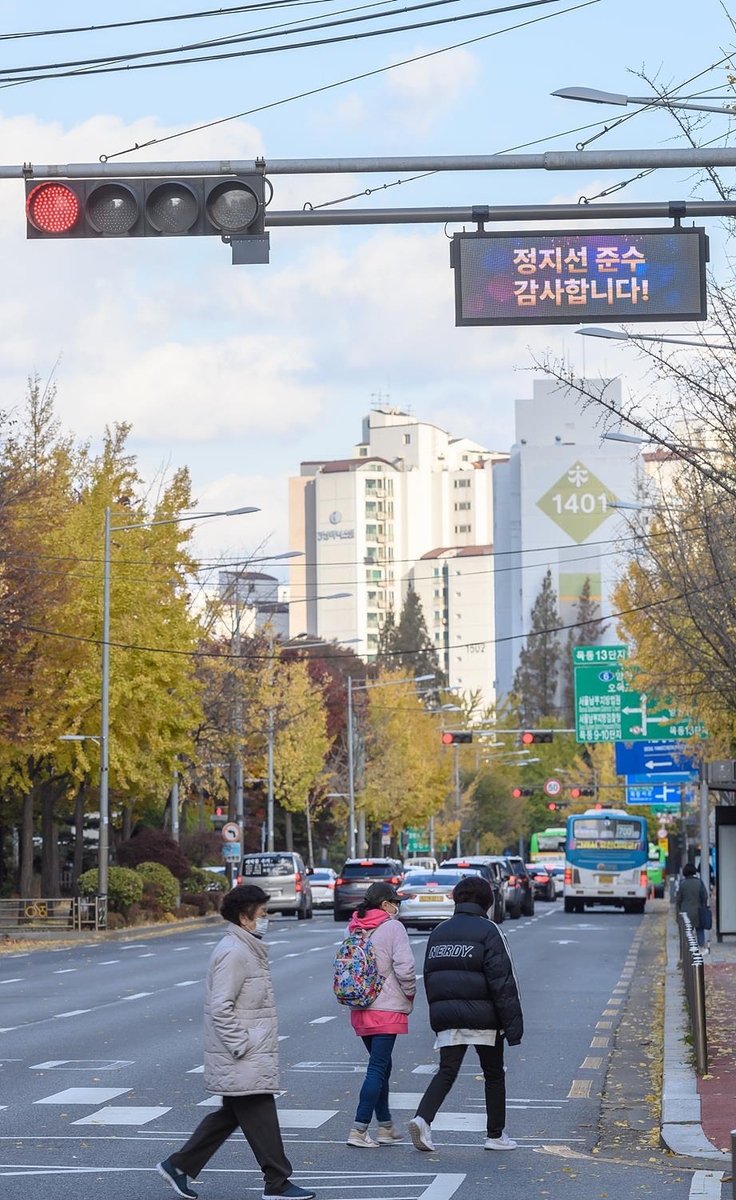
x=412, y=506
x=553, y=511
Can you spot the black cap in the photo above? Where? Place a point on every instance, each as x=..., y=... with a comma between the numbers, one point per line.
x=379, y=892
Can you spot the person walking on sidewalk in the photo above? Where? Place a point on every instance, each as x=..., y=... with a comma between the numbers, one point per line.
x=380, y=1023
x=473, y=1000
x=691, y=894
x=240, y=1054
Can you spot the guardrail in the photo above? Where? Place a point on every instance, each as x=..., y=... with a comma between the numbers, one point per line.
x=73, y=913
x=693, y=973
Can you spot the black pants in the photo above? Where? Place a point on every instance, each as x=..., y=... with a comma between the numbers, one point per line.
x=258, y=1119
x=491, y=1061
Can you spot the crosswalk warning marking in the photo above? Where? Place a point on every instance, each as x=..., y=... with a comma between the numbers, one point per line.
x=599, y=1043
x=590, y=1063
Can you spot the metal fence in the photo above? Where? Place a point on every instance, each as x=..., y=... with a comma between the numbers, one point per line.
x=71, y=912
x=693, y=973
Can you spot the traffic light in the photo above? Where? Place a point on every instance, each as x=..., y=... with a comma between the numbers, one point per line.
x=518, y=792
x=532, y=737
x=456, y=739
x=577, y=792
x=231, y=207
x=219, y=818
x=556, y=805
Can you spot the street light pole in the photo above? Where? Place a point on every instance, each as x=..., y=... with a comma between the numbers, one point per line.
x=269, y=771
x=103, y=857
x=456, y=765
x=351, y=773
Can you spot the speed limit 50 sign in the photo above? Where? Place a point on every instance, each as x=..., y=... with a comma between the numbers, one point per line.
x=552, y=787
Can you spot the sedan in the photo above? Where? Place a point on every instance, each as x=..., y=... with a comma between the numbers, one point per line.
x=557, y=871
x=542, y=882
x=426, y=898
x=322, y=881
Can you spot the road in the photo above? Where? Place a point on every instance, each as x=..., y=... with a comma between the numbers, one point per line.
x=101, y=1076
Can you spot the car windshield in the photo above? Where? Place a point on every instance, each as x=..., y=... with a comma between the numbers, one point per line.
x=443, y=879
x=368, y=870
x=321, y=875
x=268, y=864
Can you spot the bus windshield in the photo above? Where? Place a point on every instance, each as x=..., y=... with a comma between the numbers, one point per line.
x=611, y=833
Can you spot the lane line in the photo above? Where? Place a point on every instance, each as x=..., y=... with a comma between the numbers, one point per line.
x=74, y=1012
x=580, y=1089
x=65, y=971
x=322, y=1020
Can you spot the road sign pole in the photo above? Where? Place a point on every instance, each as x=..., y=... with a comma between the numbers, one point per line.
x=683, y=823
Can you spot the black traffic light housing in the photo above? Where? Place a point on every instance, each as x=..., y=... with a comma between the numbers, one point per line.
x=557, y=805
x=576, y=793
x=219, y=817
x=531, y=737
x=519, y=792
x=228, y=206
x=456, y=739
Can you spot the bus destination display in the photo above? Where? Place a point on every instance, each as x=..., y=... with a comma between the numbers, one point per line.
x=535, y=278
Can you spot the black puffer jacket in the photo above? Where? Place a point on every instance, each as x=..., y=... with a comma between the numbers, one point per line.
x=469, y=976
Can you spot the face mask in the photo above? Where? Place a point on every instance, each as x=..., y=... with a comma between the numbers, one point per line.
x=393, y=915
x=261, y=926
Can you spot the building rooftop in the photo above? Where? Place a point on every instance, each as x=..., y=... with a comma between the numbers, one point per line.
x=352, y=464
x=459, y=552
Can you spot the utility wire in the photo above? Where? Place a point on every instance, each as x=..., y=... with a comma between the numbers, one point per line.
x=342, y=82
x=318, y=42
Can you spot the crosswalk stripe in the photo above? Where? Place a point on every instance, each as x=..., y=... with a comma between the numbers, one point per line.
x=134, y=1115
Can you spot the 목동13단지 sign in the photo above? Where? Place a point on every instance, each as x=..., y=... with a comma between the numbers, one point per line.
x=550, y=278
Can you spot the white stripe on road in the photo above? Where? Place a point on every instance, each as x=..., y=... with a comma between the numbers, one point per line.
x=196, y=1071
x=123, y=1116
x=322, y=1020
x=136, y=996
x=108, y=962
x=150, y=954
x=706, y=1185
x=75, y=1012
x=84, y=1095
x=188, y=982
x=12, y=980
x=65, y=971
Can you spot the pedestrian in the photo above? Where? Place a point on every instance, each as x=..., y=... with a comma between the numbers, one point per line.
x=240, y=1053
x=380, y=1023
x=691, y=894
x=474, y=1000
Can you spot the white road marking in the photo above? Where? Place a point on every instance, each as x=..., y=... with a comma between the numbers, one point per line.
x=188, y=982
x=314, y=949
x=322, y=1020
x=84, y=1095
x=133, y=946
x=291, y=956
x=75, y=1012
x=12, y=980
x=178, y=949
x=8, y=1028
x=108, y=962
x=196, y=1071
x=65, y=971
x=706, y=1185
x=150, y=954
x=83, y=1064
x=305, y=1118
x=123, y=1116
x=136, y=996
x=275, y=942
x=284, y=1037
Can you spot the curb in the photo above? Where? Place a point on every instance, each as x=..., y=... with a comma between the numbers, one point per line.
x=681, y=1130
x=45, y=938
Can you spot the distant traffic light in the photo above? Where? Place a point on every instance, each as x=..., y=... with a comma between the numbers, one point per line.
x=556, y=805
x=519, y=792
x=532, y=737
x=577, y=792
x=455, y=739
x=230, y=207
x=219, y=817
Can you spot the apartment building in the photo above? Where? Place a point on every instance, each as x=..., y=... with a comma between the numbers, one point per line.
x=366, y=524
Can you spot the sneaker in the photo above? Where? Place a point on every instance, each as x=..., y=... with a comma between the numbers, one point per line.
x=504, y=1142
x=361, y=1140
x=176, y=1179
x=421, y=1134
x=388, y=1134
x=292, y=1192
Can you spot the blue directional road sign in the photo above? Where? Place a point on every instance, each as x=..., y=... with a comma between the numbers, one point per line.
x=656, y=780
x=666, y=795
x=653, y=758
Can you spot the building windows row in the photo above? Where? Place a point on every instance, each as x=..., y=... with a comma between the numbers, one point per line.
x=463, y=529
x=462, y=483
x=462, y=506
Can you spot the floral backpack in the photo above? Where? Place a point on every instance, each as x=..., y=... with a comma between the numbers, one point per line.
x=357, y=982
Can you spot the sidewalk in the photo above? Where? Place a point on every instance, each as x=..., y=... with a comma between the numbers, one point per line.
x=699, y=1114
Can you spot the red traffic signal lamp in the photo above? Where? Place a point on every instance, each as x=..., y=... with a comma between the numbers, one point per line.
x=219, y=817
x=531, y=737
x=230, y=207
x=518, y=792
x=456, y=739
x=577, y=792
x=556, y=805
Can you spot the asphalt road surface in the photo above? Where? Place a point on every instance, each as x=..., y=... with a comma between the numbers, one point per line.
x=101, y=1075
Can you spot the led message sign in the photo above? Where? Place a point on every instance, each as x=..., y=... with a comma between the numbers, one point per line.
x=569, y=278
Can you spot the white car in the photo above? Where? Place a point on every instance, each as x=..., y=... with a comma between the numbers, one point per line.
x=557, y=871
x=420, y=864
x=322, y=883
x=426, y=897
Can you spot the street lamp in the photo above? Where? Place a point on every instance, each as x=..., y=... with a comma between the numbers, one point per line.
x=364, y=686
x=594, y=96
x=104, y=841
x=619, y=335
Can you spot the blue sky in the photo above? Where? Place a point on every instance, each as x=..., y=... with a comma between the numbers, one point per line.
x=242, y=372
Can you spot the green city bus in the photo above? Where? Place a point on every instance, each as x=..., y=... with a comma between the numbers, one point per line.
x=548, y=846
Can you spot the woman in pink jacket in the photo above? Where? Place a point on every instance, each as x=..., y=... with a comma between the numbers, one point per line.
x=388, y=1016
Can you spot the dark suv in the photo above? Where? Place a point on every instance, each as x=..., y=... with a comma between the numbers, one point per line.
x=520, y=888
x=357, y=876
x=492, y=870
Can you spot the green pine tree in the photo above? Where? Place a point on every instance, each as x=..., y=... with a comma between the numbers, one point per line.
x=588, y=631
x=538, y=673
x=387, y=641
x=413, y=647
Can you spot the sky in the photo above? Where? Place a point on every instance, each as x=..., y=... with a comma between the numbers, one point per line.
x=241, y=373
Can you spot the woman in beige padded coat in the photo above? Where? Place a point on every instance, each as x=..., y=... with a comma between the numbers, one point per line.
x=240, y=1054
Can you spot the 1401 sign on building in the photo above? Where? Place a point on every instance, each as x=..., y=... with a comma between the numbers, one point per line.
x=578, y=502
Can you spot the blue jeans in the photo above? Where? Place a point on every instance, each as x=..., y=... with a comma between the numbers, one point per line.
x=374, y=1092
